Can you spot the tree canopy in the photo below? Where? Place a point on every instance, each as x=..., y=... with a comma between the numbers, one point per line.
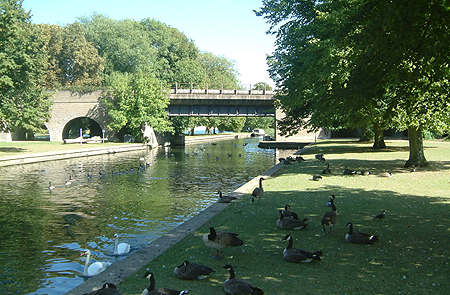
x=361, y=63
x=23, y=101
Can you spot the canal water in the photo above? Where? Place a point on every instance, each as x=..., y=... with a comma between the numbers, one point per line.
x=43, y=231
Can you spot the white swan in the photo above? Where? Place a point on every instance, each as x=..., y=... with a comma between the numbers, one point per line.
x=95, y=268
x=122, y=248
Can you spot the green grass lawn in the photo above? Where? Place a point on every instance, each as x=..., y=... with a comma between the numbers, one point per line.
x=26, y=147
x=411, y=257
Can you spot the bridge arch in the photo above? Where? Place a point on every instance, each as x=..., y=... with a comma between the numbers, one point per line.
x=87, y=125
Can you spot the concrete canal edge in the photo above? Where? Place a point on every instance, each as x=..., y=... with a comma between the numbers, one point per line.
x=122, y=269
x=68, y=154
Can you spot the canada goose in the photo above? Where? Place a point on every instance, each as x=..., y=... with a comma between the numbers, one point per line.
x=357, y=237
x=192, y=271
x=329, y=218
x=225, y=199
x=364, y=172
x=348, y=172
x=107, y=289
x=386, y=174
x=50, y=186
x=413, y=169
x=220, y=240
x=258, y=191
x=299, y=159
x=291, y=254
x=380, y=215
x=234, y=286
x=289, y=214
x=290, y=223
x=316, y=177
x=150, y=290
x=327, y=170
x=94, y=268
x=320, y=157
x=120, y=248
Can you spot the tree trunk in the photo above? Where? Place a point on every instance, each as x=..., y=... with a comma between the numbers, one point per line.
x=192, y=131
x=416, y=154
x=378, y=137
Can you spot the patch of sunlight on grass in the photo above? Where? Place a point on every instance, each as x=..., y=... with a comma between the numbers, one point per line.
x=375, y=263
x=273, y=279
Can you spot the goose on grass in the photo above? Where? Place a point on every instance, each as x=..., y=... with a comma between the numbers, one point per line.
x=219, y=240
x=234, y=286
x=258, y=191
x=107, y=289
x=191, y=271
x=290, y=223
x=357, y=237
x=329, y=218
x=152, y=290
x=291, y=254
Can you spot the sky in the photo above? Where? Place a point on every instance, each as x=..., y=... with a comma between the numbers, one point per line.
x=227, y=28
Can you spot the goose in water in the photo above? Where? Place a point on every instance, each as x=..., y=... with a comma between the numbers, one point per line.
x=120, y=248
x=150, y=290
x=50, y=186
x=94, y=268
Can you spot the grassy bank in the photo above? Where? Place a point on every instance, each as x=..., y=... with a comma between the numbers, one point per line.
x=410, y=258
x=17, y=148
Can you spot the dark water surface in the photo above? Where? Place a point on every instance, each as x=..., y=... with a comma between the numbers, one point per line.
x=43, y=232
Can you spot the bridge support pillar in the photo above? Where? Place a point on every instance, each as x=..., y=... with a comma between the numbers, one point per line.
x=302, y=136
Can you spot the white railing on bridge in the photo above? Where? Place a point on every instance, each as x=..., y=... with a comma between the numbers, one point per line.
x=220, y=91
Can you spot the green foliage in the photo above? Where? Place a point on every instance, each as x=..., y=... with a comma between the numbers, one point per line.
x=134, y=99
x=220, y=72
x=72, y=60
x=252, y=123
x=360, y=63
x=123, y=44
x=23, y=102
x=262, y=86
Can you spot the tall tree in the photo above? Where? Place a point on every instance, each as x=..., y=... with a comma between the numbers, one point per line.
x=134, y=99
x=23, y=101
x=123, y=44
x=220, y=72
x=340, y=62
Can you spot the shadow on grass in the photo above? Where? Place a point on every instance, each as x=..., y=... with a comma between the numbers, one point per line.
x=344, y=147
x=11, y=150
x=374, y=166
x=411, y=256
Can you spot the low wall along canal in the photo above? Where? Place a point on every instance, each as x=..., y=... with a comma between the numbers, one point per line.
x=44, y=230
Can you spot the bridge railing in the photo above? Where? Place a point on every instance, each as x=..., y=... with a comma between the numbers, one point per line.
x=177, y=88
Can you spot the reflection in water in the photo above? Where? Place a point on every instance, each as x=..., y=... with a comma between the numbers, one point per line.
x=138, y=195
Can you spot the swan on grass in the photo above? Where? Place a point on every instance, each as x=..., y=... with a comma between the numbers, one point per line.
x=120, y=248
x=94, y=268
